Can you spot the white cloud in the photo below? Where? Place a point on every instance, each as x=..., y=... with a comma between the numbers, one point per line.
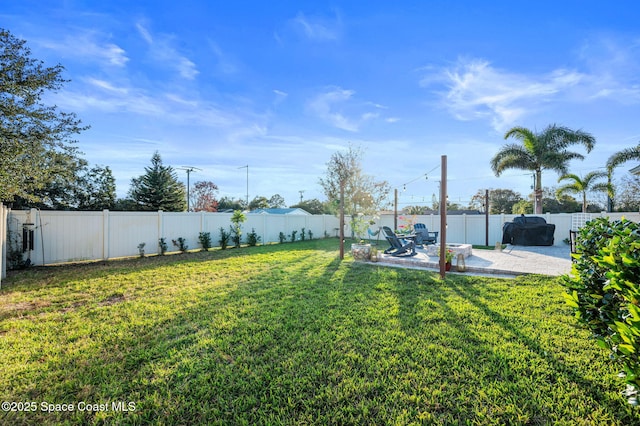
x=316, y=28
x=88, y=46
x=162, y=50
x=337, y=107
x=477, y=90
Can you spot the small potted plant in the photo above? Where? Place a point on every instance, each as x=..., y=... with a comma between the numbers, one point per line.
x=448, y=258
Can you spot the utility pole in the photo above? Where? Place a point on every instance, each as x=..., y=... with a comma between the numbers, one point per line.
x=188, y=169
x=301, y=192
x=247, y=167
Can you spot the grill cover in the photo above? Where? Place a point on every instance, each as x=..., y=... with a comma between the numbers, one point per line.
x=528, y=231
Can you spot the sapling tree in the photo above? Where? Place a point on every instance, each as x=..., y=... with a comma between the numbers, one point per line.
x=237, y=220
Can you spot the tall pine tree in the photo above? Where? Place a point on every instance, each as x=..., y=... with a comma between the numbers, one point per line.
x=158, y=188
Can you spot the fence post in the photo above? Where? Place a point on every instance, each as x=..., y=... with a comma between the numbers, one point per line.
x=160, y=226
x=105, y=234
x=3, y=241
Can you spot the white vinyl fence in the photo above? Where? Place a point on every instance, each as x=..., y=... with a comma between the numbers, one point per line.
x=62, y=236
x=66, y=236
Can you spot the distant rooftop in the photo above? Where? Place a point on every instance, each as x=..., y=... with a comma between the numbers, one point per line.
x=290, y=211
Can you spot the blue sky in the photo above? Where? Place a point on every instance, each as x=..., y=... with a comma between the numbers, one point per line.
x=280, y=86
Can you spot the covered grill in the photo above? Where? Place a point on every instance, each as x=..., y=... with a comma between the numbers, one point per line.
x=528, y=231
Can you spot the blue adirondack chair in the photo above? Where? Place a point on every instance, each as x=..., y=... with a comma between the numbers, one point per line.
x=423, y=236
x=398, y=247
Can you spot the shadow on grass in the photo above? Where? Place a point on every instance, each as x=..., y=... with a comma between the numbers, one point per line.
x=594, y=389
x=312, y=340
x=90, y=269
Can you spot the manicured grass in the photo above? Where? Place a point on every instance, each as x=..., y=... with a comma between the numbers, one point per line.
x=288, y=334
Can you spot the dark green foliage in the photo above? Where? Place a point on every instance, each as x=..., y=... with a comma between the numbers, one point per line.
x=293, y=236
x=181, y=243
x=282, y=237
x=310, y=234
x=35, y=141
x=15, y=257
x=303, y=236
x=162, y=245
x=158, y=189
x=205, y=240
x=224, y=238
x=253, y=238
x=141, y=249
x=604, y=291
x=236, y=229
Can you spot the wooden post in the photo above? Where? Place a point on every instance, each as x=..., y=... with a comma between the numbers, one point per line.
x=395, y=209
x=341, y=233
x=443, y=215
x=486, y=217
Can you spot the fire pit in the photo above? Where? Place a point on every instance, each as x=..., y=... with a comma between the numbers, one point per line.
x=464, y=249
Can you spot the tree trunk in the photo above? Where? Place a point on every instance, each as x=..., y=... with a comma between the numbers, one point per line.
x=538, y=192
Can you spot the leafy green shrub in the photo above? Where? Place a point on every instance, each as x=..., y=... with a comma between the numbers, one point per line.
x=604, y=292
x=302, y=234
x=162, y=245
x=236, y=229
x=282, y=237
x=252, y=238
x=15, y=258
x=205, y=240
x=224, y=238
x=181, y=243
x=293, y=236
x=310, y=234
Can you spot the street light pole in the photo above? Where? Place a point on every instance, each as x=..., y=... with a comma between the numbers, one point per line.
x=188, y=169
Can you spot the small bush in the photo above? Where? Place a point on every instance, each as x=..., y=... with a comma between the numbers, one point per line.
x=293, y=236
x=310, y=234
x=224, y=238
x=181, y=243
x=236, y=229
x=162, y=245
x=141, y=249
x=252, y=238
x=205, y=240
x=604, y=291
x=282, y=237
x=303, y=236
x=15, y=258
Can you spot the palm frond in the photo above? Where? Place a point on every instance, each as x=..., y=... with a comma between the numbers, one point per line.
x=623, y=156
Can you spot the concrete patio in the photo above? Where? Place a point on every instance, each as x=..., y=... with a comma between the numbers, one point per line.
x=511, y=261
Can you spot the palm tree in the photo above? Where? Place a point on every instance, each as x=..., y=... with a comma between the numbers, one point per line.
x=580, y=185
x=614, y=161
x=540, y=151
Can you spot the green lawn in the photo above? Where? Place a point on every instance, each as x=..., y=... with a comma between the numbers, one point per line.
x=288, y=334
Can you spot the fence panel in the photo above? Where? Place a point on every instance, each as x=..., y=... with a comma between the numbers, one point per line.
x=62, y=236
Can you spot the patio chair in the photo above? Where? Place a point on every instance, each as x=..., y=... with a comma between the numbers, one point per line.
x=423, y=236
x=373, y=234
x=398, y=247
